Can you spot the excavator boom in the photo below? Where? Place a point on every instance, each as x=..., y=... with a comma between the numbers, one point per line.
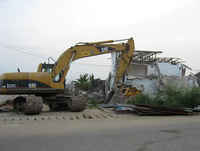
x=83, y=50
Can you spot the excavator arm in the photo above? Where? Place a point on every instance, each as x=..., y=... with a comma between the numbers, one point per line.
x=82, y=50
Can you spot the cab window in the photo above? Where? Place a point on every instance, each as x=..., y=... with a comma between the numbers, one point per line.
x=1, y=83
x=57, y=78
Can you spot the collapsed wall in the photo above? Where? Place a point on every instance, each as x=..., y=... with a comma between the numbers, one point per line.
x=149, y=73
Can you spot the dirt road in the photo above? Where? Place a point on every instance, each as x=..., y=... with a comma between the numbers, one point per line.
x=174, y=133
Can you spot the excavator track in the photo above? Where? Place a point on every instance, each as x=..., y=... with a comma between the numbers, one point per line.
x=33, y=105
x=77, y=103
x=28, y=104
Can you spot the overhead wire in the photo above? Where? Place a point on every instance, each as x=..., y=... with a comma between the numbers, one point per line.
x=11, y=48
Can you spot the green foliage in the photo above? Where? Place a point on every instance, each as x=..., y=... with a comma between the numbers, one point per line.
x=86, y=82
x=170, y=97
x=82, y=82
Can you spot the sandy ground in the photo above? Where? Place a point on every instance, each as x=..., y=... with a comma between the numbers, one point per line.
x=176, y=133
x=91, y=114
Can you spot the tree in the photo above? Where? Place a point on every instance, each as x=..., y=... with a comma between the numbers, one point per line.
x=83, y=82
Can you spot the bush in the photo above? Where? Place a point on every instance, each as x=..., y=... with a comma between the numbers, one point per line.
x=92, y=103
x=171, y=97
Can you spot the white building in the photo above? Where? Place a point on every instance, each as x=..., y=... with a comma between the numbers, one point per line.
x=150, y=73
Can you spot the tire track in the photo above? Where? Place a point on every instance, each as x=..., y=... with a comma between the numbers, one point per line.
x=57, y=116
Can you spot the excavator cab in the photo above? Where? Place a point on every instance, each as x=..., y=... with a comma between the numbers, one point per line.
x=45, y=67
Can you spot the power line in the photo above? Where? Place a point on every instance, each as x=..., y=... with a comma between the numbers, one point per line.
x=21, y=51
x=11, y=48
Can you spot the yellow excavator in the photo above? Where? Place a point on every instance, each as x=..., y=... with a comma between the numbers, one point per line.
x=48, y=83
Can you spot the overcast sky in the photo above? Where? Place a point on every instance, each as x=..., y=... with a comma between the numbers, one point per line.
x=46, y=28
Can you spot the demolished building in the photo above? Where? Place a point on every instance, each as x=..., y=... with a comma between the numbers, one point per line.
x=150, y=73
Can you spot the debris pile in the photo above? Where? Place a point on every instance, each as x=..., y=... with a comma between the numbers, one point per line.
x=141, y=109
x=6, y=106
x=153, y=110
